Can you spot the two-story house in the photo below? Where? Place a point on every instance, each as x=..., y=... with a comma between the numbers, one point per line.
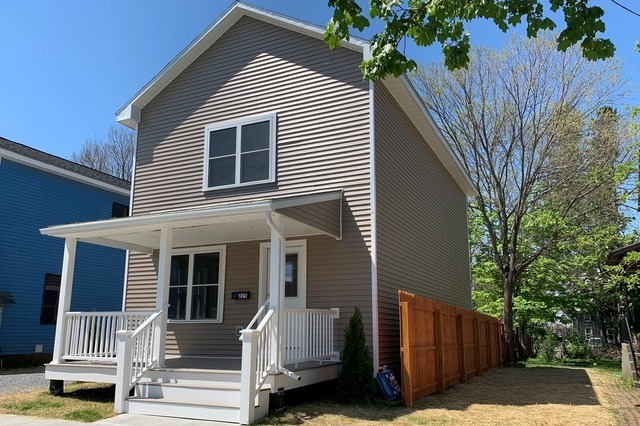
x=36, y=190
x=275, y=190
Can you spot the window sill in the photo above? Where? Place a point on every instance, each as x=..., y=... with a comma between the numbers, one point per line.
x=207, y=321
x=241, y=185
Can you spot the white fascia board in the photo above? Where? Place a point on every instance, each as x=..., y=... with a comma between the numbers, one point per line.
x=27, y=161
x=415, y=109
x=149, y=222
x=127, y=114
x=105, y=242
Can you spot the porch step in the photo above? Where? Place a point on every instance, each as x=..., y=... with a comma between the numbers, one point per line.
x=222, y=412
x=219, y=401
x=191, y=376
x=220, y=392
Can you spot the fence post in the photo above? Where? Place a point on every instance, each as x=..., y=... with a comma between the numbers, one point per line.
x=405, y=355
x=476, y=347
x=439, y=351
x=123, y=369
x=490, y=344
x=462, y=362
x=248, y=377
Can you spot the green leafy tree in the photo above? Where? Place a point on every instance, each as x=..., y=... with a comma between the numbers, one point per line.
x=520, y=121
x=427, y=22
x=354, y=382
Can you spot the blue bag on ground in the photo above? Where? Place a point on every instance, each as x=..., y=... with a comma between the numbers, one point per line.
x=388, y=383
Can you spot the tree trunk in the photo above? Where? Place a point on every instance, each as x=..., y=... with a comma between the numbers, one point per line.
x=603, y=325
x=507, y=318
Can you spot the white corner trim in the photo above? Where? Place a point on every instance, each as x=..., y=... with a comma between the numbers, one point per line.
x=27, y=161
x=374, y=234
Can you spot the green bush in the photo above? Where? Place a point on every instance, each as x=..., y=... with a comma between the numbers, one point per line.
x=548, y=347
x=355, y=380
x=577, y=350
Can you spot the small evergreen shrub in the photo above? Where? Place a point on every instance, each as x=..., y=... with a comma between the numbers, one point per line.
x=355, y=380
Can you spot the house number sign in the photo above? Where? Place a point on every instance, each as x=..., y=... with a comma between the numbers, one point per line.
x=240, y=295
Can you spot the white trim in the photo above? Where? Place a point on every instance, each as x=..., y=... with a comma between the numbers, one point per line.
x=410, y=102
x=129, y=114
x=292, y=246
x=27, y=161
x=191, y=252
x=238, y=123
x=374, y=233
x=181, y=218
x=128, y=253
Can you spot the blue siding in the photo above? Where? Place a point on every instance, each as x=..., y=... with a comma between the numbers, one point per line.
x=31, y=199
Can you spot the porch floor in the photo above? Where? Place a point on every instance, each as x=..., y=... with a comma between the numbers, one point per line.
x=227, y=364
x=200, y=363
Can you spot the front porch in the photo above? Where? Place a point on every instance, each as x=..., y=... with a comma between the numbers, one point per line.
x=280, y=347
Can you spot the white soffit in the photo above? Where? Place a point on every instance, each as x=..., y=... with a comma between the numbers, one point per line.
x=192, y=227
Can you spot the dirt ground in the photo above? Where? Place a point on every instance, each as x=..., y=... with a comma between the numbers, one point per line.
x=509, y=396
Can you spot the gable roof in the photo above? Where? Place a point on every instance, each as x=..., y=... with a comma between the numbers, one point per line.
x=41, y=160
x=400, y=88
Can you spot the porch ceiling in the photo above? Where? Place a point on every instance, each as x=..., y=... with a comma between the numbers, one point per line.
x=213, y=225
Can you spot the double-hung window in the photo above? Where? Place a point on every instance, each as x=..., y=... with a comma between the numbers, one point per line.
x=240, y=152
x=196, y=286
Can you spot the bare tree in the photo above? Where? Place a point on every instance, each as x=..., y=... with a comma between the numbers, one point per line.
x=518, y=120
x=114, y=155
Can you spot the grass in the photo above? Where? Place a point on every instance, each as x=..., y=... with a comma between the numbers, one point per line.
x=527, y=394
x=84, y=402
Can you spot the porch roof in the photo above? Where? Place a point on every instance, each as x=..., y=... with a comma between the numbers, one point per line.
x=308, y=214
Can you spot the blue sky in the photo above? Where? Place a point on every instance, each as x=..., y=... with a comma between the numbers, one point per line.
x=67, y=66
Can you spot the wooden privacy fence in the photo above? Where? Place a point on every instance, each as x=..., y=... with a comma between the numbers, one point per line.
x=442, y=345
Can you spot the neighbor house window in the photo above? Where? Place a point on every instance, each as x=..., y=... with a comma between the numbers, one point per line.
x=50, y=299
x=240, y=152
x=196, y=286
x=119, y=210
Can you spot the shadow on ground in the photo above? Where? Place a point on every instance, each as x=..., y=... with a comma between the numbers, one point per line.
x=511, y=386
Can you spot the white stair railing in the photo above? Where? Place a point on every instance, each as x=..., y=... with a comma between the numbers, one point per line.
x=257, y=363
x=91, y=336
x=309, y=334
x=136, y=356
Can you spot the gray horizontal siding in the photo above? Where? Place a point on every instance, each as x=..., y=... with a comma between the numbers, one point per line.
x=322, y=107
x=421, y=222
x=324, y=216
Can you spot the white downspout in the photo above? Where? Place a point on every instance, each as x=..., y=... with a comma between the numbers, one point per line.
x=276, y=285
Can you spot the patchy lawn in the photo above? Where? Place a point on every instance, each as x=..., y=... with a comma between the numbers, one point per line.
x=84, y=402
x=534, y=395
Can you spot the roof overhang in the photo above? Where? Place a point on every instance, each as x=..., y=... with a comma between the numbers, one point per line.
x=211, y=225
x=129, y=114
x=615, y=257
x=409, y=100
x=401, y=88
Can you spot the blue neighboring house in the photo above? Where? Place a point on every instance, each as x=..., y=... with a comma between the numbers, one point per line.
x=39, y=190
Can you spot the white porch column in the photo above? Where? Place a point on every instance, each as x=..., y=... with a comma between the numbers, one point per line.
x=64, y=302
x=162, y=295
x=276, y=286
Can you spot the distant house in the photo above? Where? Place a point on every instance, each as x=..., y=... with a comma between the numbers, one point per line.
x=36, y=190
x=275, y=190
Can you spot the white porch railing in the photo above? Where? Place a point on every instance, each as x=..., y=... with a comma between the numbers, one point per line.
x=91, y=336
x=309, y=334
x=136, y=356
x=257, y=363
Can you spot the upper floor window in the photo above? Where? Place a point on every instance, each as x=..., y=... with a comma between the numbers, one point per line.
x=240, y=152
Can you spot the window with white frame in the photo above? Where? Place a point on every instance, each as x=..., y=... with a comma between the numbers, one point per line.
x=240, y=152
x=196, y=286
